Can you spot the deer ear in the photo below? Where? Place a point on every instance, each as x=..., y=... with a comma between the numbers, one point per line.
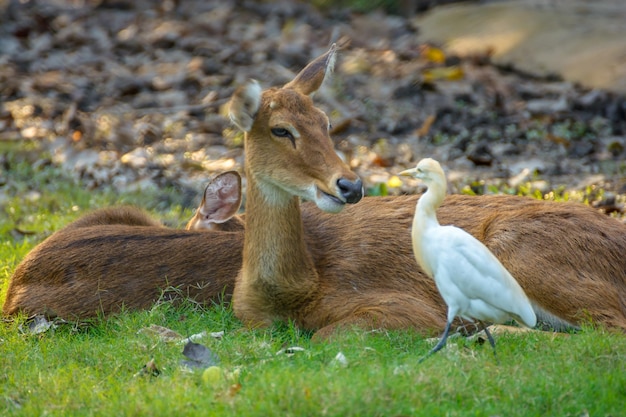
x=222, y=198
x=244, y=105
x=312, y=76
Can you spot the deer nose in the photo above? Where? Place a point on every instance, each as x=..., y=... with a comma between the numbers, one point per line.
x=352, y=191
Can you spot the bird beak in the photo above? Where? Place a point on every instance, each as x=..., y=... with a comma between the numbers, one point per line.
x=408, y=173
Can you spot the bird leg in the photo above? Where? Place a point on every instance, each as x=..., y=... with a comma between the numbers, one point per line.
x=442, y=342
x=491, y=342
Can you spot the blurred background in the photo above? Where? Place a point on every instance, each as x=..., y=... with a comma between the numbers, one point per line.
x=522, y=97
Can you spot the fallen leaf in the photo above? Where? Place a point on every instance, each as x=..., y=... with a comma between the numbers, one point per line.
x=212, y=375
x=558, y=139
x=234, y=375
x=194, y=337
x=340, y=359
x=38, y=324
x=452, y=73
x=163, y=333
x=425, y=127
x=149, y=369
x=199, y=356
x=394, y=182
x=234, y=389
x=433, y=54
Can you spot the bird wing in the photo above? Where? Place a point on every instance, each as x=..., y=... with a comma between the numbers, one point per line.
x=470, y=266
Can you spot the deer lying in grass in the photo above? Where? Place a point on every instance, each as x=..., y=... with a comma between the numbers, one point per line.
x=359, y=266
x=327, y=271
x=120, y=257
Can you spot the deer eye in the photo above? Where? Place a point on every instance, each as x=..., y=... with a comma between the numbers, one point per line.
x=281, y=132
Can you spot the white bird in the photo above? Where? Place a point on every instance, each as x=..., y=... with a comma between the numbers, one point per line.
x=471, y=280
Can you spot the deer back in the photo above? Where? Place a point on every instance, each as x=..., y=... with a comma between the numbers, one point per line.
x=81, y=272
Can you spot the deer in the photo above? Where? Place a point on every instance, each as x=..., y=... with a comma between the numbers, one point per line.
x=120, y=257
x=351, y=268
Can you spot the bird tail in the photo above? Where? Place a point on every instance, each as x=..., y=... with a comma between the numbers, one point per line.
x=526, y=315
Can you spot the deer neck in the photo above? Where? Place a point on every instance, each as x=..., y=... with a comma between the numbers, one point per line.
x=275, y=257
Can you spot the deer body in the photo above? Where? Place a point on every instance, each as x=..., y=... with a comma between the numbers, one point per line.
x=128, y=215
x=363, y=256
x=367, y=260
x=124, y=269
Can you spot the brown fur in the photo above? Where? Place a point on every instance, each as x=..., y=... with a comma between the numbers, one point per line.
x=129, y=215
x=80, y=272
x=278, y=278
x=567, y=257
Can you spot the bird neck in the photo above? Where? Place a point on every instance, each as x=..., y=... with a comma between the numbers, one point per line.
x=427, y=205
x=425, y=218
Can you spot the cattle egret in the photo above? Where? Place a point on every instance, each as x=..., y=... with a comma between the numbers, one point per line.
x=471, y=280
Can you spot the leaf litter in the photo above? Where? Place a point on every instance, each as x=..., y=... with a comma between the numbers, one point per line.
x=131, y=95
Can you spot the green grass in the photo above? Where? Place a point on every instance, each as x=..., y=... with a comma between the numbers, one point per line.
x=94, y=369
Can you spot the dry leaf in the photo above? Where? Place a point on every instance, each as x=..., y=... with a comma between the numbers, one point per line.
x=452, y=73
x=38, y=324
x=163, y=333
x=234, y=389
x=290, y=351
x=149, y=369
x=425, y=127
x=199, y=356
x=340, y=359
x=433, y=54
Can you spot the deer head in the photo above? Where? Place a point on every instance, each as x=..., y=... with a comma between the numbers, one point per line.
x=288, y=148
x=220, y=203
